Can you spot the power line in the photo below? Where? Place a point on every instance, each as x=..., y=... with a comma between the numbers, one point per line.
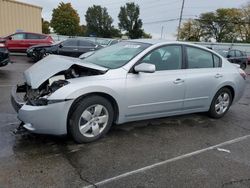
x=161, y=21
x=188, y=18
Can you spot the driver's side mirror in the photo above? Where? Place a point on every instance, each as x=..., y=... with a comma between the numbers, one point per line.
x=60, y=45
x=145, y=67
x=10, y=38
x=228, y=56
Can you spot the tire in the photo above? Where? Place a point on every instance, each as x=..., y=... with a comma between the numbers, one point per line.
x=91, y=119
x=243, y=66
x=37, y=56
x=223, y=105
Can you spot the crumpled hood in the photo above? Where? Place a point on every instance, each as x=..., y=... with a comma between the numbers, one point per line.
x=51, y=65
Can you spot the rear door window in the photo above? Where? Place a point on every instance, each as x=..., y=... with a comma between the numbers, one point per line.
x=32, y=36
x=217, y=61
x=199, y=58
x=83, y=43
x=70, y=43
x=238, y=53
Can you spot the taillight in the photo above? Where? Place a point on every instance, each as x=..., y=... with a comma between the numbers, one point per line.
x=243, y=74
x=2, y=45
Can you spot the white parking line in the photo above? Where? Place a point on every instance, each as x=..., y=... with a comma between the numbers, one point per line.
x=168, y=161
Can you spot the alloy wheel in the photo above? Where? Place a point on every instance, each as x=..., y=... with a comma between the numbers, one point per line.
x=93, y=120
x=222, y=103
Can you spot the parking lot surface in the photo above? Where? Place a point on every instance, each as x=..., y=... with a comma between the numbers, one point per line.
x=184, y=151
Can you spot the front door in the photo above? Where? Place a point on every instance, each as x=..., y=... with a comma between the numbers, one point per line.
x=16, y=42
x=157, y=94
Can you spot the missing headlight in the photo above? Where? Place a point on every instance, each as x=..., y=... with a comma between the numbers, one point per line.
x=57, y=84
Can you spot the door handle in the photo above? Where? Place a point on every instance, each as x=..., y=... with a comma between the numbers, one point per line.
x=218, y=75
x=178, y=81
x=75, y=49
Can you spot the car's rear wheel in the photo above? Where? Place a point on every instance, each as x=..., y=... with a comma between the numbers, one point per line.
x=221, y=103
x=91, y=118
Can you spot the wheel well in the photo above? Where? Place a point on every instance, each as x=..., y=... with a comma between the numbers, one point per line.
x=232, y=91
x=107, y=96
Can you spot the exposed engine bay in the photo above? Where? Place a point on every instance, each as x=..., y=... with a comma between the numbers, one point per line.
x=38, y=97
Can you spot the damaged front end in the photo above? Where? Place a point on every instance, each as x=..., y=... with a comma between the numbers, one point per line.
x=37, y=88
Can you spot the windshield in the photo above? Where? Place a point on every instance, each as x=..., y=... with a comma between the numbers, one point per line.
x=117, y=55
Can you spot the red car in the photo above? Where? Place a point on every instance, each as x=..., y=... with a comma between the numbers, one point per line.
x=21, y=41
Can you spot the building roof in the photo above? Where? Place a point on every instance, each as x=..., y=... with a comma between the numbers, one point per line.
x=22, y=3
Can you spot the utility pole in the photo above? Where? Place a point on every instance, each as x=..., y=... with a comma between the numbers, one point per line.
x=180, y=19
x=161, y=31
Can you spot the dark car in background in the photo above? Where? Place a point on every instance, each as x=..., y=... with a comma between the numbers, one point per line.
x=4, y=54
x=235, y=56
x=73, y=47
x=21, y=41
x=105, y=41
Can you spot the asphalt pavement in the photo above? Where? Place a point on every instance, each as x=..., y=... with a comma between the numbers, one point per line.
x=183, y=151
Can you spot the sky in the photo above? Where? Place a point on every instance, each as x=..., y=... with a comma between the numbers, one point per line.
x=152, y=12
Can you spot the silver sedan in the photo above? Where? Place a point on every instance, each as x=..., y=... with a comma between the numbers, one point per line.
x=129, y=81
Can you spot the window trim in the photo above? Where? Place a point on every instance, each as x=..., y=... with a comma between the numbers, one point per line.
x=212, y=53
x=165, y=45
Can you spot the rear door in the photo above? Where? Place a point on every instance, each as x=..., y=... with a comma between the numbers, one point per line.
x=32, y=39
x=69, y=48
x=85, y=46
x=204, y=74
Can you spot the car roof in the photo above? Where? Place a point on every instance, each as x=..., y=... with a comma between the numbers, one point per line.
x=29, y=33
x=163, y=42
x=79, y=38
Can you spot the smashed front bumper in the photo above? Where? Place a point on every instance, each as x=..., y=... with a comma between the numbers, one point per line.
x=47, y=119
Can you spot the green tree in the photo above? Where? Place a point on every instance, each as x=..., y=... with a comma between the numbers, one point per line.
x=129, y=20
x=243, y=20
x=45, y=27
x=146, y=35
x=65, y=20
x=116, y=32
x=191, y=31
x=219, y=25
x=83, y=30
x=99, y=22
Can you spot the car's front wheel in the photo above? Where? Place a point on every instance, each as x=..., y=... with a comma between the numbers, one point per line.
x=221, y=103
x=243, y=66
x=91, y=118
